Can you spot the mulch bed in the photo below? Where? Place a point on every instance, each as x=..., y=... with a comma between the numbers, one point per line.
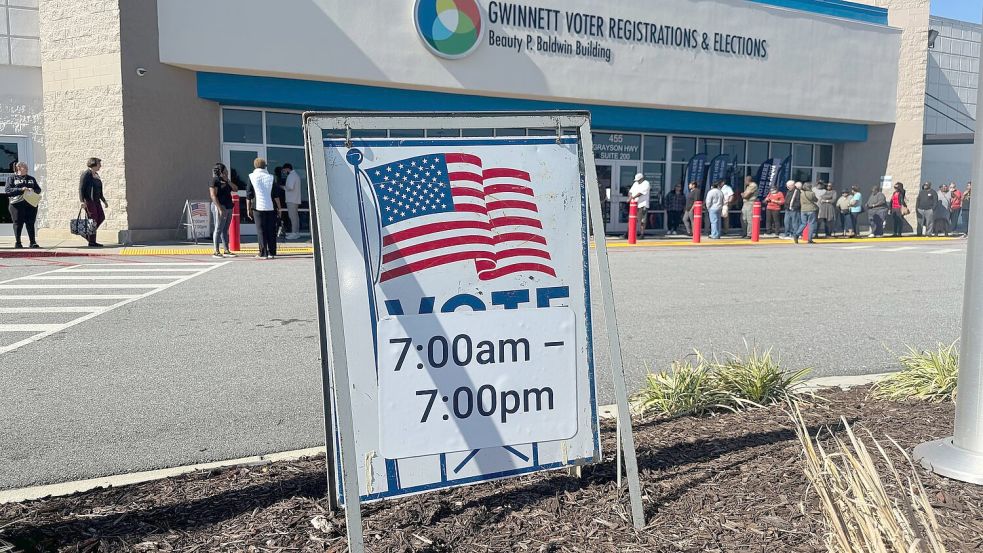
x=731, y=482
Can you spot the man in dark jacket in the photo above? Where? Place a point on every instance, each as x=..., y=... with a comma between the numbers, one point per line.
x=927, y=201
x=691, y=198
x=793, y=208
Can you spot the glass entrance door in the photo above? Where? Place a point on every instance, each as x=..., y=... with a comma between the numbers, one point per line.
x=239, y=160
x=12, y=150
x=617, y=178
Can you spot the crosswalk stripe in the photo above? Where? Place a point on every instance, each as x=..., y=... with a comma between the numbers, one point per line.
x=147, y=270
x=856, y=247
x=105, y=277
x=57, y=286
x=901, y=249
x=940, y=252
x=65, y=309
x=31, y=327
x=69, y=297
x=155, y=264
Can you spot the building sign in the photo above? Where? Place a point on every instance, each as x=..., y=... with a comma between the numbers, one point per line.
x=464, y=293
x=616, y=146
x=454, y=28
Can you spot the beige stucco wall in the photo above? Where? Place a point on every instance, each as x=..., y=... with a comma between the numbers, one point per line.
x=83, y=107
x=157, y=140
x=172, y=136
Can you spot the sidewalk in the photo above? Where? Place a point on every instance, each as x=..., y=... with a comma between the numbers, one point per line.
x=74, y=247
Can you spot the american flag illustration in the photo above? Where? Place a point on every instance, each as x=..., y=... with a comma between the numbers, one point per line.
x=446, y=207
x=199, y=209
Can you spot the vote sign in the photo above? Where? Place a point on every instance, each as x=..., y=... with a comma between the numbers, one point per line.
x=464, y=293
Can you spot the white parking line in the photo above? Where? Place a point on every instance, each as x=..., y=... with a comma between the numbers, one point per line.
x=103, y=277
x=89, y=312
x=65, y=309
x=147, y=270
x=901, y=249
x=31, y=327
x=857, y=247
x=940, y=252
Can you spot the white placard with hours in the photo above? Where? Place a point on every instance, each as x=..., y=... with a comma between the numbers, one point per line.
x=461, y=381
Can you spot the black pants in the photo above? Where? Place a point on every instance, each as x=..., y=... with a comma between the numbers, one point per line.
x=675, y=219
x=266, y=231
x=898, y=221
x=23, y=214
x=774, y=221
x=827, y=225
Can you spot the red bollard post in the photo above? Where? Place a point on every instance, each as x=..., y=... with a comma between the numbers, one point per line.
x=756, y=222
x=632, y=221
x=697, y=221
x=234, y=236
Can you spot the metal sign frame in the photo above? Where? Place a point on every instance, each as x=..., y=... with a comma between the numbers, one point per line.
x=335, y=377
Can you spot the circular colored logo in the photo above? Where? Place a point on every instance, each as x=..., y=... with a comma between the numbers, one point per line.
x=450, y=28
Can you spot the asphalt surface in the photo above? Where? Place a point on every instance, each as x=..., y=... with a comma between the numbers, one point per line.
x=225, y=363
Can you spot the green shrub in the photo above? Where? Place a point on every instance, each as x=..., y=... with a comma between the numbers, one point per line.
x=925, y=375
x=754, y=380
x=683, y=390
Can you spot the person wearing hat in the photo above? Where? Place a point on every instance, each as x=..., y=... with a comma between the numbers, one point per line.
x=639, y=192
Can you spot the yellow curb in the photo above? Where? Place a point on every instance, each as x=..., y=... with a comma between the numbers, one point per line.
x=207, y=251
x=773, y=242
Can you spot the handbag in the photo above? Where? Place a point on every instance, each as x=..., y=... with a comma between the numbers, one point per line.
x=31, y=197
x=82, y=226
x=905, y=211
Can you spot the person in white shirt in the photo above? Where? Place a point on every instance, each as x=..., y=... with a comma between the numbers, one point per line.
x=715, y=205
x=262, y=208
x=728, y=193
x=639, y=192
x=292, y=187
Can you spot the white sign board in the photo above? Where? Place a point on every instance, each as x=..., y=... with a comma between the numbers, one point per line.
x=197, y=219
x=462, y=284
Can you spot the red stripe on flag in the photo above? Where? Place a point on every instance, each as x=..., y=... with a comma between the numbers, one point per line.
x=505, y=172
x=500, y=188
x=459, y=191
x=431, y=228
x=520, y=237
x=512, y=204
x=521, y=221
x=431, y=262
x=522, y=252
x=470, y=208
x=502, y=271
x=462, y=158
x=465, y=175
x=436, y=245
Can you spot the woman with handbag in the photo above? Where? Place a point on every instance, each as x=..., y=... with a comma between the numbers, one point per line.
x=93, y=201
x=22, y=190
x=898, y=209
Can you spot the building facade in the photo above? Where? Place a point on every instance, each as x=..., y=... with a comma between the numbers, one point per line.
x=950, y=100
x=162, y=90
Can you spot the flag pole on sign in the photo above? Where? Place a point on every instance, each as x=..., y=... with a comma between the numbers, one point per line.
x=961, y=456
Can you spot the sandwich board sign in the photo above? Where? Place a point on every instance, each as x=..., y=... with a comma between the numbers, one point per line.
x=458, y=324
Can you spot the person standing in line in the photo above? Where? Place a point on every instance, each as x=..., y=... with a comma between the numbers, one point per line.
x=92, y=198
x=221, y=191
x=856, y=208
x=729, y=200
x=774, y=201
x=263, y=208
x=877, y=211
x=675, y=206
x=715, y=206
x=810, y=206
x=279, y=196
x=292, y=188
x=942, y=211
x=955, y=207
x=843, y=207
x=691, y=198
x=827, y=209
x=639, y=191
x=967, y=200
x=899, y=208
x=925, y=205
x=749, y=195
x=793, y=208
x=22, y=212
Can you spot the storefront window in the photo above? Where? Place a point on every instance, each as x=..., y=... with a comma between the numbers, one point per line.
x=757, y=152
x=735, y=149
x=284, y=128
x=477, y=132
x=802, y=174
x=242, y=126
x=654, y=148
x=683, y=148
x=824, y=155
x=709, y=146
x=656, y=175
x=781, y=150
x=802, y=155
x=443, y=133
x=406, y=133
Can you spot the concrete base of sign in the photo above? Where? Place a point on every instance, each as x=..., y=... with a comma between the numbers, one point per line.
x=943, y=458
